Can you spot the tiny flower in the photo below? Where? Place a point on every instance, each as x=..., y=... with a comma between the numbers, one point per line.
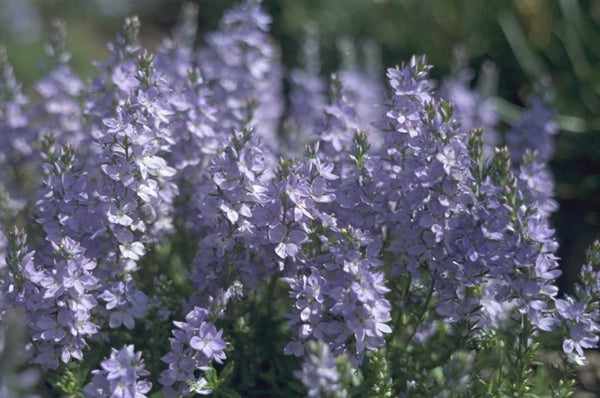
x=133, y=250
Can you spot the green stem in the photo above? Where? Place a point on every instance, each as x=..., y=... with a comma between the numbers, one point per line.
x=424, y=312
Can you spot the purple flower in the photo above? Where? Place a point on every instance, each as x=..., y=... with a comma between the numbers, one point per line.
x=579, y=315
x=120, y=376
x=241, y=68
x=194, y=345
x=474, y=106
x=320, y=374
x=342, y=301
x=124, y=303
x=533, y=131
x=307, y=90
x=209, y=342
x=58, y=296
x=61, y=89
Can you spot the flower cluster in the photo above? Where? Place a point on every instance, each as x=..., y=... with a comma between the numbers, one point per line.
x=579, y=314
x=173, y=215
x=120, y=376
x=320, y=373
x=194, y=345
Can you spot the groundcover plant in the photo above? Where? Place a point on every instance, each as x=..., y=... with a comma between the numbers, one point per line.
x=171, y=230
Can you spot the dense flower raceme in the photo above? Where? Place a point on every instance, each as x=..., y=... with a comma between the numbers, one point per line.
x=194, y=345
x=61, y=90
x=379, y=239
x=579, y=314
x=241, y=67
x=474, y=106
x=320, y=374
x=120, y=376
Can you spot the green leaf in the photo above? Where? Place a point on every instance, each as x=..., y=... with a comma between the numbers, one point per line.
x=530, y=62
x=227, y=371
x=228, y=393
x=210, y=374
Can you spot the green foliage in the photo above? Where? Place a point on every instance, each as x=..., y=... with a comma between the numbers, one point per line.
x=257, y=336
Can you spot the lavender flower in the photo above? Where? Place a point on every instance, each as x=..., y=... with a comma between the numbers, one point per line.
x=117, y=77
x=428, y=191
x=307, y=90
x=532, y=147
x=240, y=65
x=59, y=302
x=194, y=345
x=362, y=83
x=135, y=177
x=320, y=374
x=583, y=328
x=61, y=111
x=533, y=131
x=225, y=206
x=474, y=106
x=124, y=303
x=120, y=376
x=337, y=127
x=579, y=315
x=16, y=135
x=341, y=302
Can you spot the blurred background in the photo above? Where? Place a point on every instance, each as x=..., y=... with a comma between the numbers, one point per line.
x=526, y=40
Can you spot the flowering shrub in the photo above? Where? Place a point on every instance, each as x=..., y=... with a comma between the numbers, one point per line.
x=178, y=244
